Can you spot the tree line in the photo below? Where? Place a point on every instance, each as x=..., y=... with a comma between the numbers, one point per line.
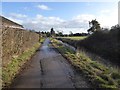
x=94, y=26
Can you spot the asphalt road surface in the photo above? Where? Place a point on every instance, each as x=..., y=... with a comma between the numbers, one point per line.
x=49, y=69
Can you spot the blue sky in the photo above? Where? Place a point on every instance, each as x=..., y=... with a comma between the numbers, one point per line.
x=63, y=16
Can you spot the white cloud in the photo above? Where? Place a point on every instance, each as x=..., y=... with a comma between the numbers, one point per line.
x=77, y=24
x=105, y=11
x=48, y=21
x=82, y=20
x=19, y=21
x=43, y=7
x=74, y=30
x=44, y=23
x=17, y=15
x=108, y=18
x=84, y=17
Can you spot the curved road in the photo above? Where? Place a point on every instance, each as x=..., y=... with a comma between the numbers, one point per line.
x=48, y=69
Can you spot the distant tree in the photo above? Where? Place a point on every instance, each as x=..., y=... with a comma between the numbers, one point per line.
x=94, y=26
x=52, y=32
x=105, y=30
x=77, y=34
x=59, y=33
x=42, y=32
x=71, y=34
x=48, y=34
x=65, y=35
x=115, y=27
x=32, y=30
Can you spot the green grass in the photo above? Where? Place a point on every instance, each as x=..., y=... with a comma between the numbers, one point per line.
x=42, y=40
x=100, y=75
x=76, y=37
x=15, y=65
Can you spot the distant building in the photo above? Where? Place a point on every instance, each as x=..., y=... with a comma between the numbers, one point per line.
x=8, y=23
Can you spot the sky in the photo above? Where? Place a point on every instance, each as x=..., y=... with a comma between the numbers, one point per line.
x=62, y=16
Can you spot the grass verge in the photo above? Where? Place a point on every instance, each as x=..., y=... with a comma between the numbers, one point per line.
x=99, y=75
x=13, y=68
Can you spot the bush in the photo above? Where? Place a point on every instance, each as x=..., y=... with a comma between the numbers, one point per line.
x=115, y=75
x=104, y=44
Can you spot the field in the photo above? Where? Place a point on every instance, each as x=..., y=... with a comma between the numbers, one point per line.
x=76, y=37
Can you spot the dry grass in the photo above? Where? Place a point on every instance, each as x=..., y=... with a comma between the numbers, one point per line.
x=98, y=74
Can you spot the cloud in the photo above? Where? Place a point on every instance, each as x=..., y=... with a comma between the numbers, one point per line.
x=74, y=30
x=17, y=15
x=19, y=21
x=43, y=7
x=105, y=11
x=108, y=18
x=40, y=22
x=43, y=23
x=84, y=17
x=77, y=24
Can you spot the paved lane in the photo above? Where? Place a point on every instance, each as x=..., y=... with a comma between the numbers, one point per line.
x=49, y=69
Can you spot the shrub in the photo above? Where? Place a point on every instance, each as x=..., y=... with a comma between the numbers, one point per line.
x=104, y=44
x=115, y=75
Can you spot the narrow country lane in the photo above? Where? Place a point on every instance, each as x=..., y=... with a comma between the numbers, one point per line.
x=48, y=69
